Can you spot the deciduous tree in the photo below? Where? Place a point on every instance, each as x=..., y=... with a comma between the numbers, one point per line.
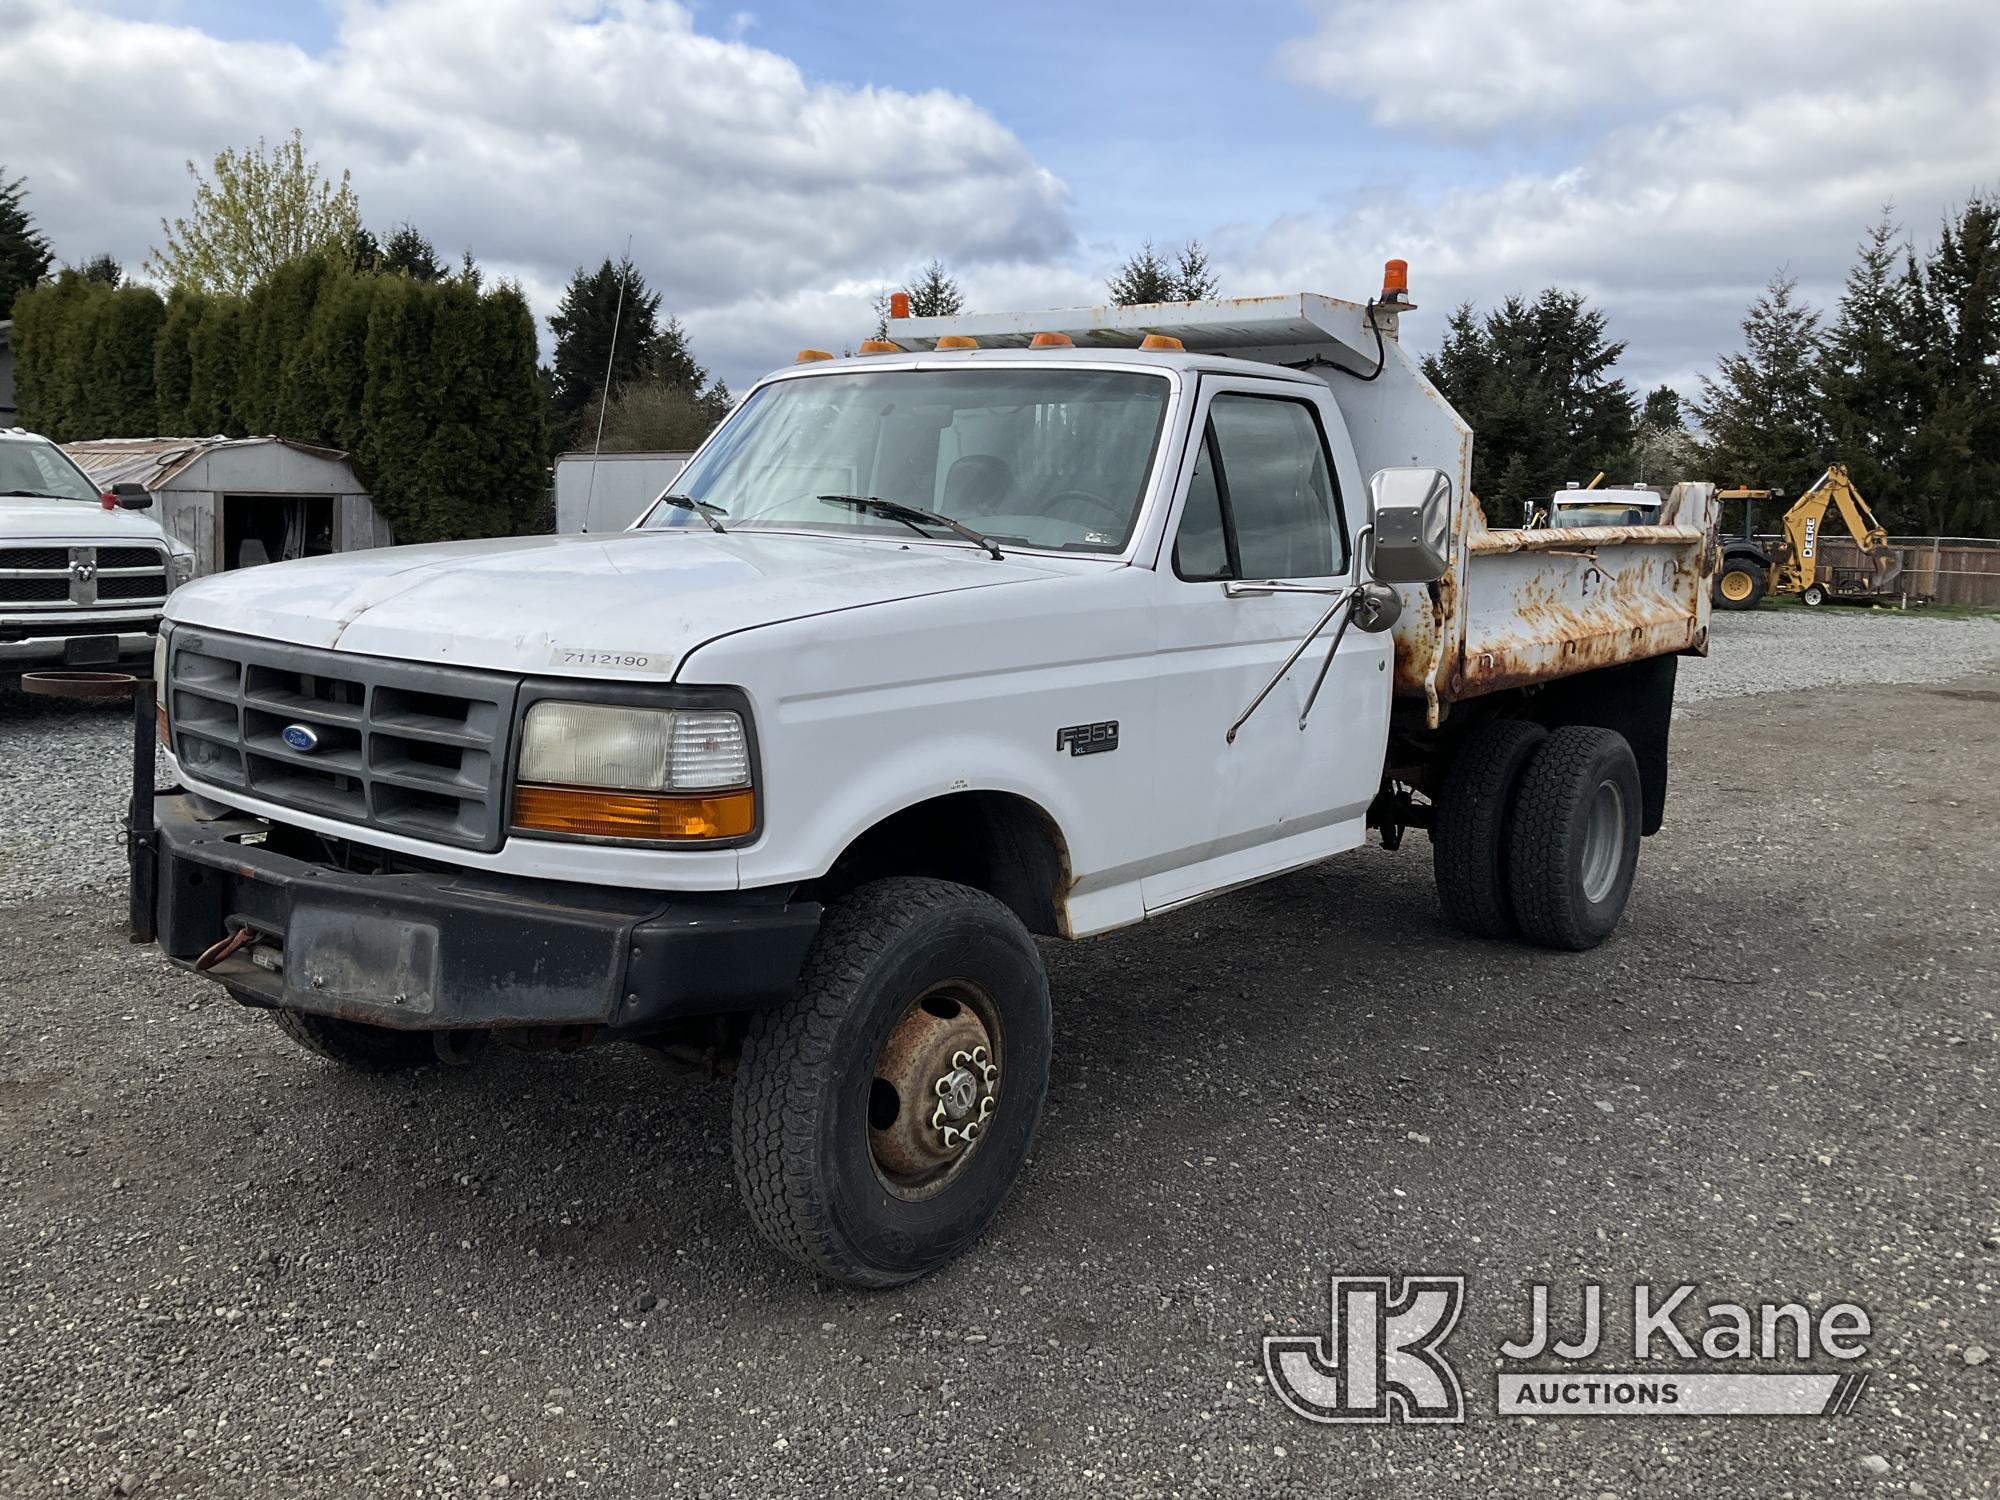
x=256, y=210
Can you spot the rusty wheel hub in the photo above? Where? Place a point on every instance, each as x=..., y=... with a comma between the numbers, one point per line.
x=936, y=1086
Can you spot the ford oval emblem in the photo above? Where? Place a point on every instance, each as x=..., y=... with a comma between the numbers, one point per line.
x=301, y=737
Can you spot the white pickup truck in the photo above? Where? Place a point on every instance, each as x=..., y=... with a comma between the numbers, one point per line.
x=83, y=576
x=1010, y=627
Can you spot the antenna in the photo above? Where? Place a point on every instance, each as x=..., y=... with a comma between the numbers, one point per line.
x=604, y=399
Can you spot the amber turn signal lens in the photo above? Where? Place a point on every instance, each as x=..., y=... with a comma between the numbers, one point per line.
x=160, y=725
x=648, y=816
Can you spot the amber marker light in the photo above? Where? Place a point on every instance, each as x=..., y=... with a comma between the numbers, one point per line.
x=1162, y=341
x=590, y=812
x=957, y=341
x=1052, y=341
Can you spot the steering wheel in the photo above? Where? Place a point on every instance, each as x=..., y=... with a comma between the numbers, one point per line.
x=1114, y=517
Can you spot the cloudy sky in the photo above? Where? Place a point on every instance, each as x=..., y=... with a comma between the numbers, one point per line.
x=777, y=164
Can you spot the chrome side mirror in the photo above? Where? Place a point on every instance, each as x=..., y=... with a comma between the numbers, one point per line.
x=1411, y=512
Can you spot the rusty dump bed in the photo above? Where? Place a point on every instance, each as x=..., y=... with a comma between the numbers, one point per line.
x=1525, y=606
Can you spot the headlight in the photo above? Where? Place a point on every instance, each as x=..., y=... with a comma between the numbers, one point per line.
x=180, y=568
x=636, y=774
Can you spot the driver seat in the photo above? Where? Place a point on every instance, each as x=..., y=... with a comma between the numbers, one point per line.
x=976, y=484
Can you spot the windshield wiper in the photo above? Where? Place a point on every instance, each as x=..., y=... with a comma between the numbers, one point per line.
x=35, y=495
x=700, y=507
x=911, y=516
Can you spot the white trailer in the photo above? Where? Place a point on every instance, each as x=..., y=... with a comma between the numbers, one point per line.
x=609, y=491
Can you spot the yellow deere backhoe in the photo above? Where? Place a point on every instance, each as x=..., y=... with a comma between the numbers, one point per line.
x=1794, y=566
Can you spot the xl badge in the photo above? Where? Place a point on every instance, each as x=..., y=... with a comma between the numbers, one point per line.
x=301, y=737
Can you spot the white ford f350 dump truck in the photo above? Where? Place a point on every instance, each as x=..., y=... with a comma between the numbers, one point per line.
x=83, y=575
x=1010, y=627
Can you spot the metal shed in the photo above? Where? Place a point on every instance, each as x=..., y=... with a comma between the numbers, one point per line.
x=242, y=501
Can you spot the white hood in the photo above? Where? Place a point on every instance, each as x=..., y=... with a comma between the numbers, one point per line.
x=41, y=519
x=561, y=605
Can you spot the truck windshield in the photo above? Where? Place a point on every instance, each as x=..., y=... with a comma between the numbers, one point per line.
x=1042, y=457
x=36, y=468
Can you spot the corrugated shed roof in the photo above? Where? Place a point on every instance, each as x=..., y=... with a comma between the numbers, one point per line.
x=155, y=461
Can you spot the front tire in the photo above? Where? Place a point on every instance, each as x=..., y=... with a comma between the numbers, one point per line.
x=1573, y=844
x=884, y=1111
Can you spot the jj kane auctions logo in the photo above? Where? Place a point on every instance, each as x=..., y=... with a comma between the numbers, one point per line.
x=1382, y=1358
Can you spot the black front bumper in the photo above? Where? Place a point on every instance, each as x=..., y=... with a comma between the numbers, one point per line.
x=441, y=950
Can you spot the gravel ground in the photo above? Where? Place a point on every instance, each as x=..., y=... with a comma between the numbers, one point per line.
x=228, y=1270
x=1776, y=650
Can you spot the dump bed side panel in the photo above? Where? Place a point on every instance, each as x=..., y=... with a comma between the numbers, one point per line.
x=1527, y=606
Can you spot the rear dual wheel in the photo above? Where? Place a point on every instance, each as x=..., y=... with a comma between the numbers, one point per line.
x=1536, y=833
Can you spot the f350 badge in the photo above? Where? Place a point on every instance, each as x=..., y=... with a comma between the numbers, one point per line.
x=1089, y=739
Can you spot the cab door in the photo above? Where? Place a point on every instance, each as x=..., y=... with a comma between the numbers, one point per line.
x=1269, y=500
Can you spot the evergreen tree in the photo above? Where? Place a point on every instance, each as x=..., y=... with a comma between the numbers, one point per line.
x=173, y=364
x=215, y=348
x=122, y=360
x=1955, y=444
x=408, y=253
x=279, y=312
x=1149, y=277
x=104, y=269
x=583, y=324
x=1661, y=411
x=364, y=251
x=24, y=250
x=1873, y=392
x=1194, y=280
x=1761, y=409
x=1534, y=381
x=673, y=361
x=41, y=315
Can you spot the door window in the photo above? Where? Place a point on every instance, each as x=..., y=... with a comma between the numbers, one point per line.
x=1261, y=502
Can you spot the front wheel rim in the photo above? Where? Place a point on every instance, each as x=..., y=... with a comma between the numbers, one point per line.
x=1736, y=586
x=1603, y=841
x=934, y=1094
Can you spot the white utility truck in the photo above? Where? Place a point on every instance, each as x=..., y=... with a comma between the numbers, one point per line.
x=1017, y=626
x=83, y=576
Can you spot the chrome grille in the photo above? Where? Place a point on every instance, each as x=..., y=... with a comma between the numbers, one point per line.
x=415, y=750
x=79, y=577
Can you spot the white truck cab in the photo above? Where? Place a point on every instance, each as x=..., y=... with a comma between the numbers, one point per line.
x=1012, y=626
x=84, y=574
